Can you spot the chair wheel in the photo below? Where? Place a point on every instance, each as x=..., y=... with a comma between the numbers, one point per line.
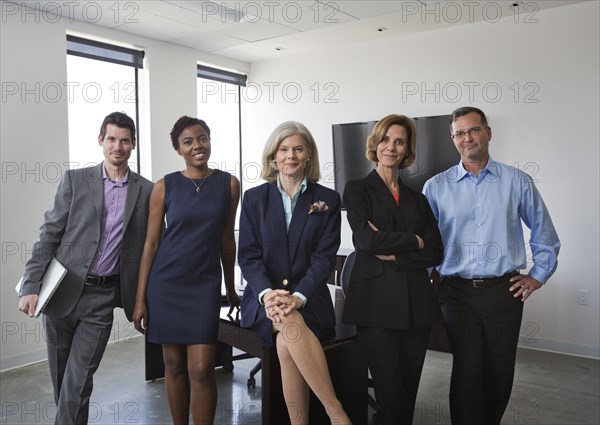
x=228, y=368
x=251, y=383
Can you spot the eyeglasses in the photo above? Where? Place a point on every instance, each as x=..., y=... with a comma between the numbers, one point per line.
x=460, y=135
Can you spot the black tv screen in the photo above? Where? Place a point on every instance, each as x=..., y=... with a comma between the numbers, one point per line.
x=435, y=152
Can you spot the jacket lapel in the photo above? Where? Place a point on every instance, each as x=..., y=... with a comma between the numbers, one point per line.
x=133, y=191
x=299, y=217
x=277, y=216
x=276, y=212
x=383, y=195
x=403, y=212
x=408, y=204
x=96, y=184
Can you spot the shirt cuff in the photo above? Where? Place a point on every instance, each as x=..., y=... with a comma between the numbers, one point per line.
x=302, y=297
x=261, y=295
x=539, y=274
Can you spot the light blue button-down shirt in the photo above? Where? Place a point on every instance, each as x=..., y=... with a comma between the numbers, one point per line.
x=290, y=203
x=480, y=222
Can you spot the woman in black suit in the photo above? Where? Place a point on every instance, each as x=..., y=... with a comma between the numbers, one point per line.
x=390, y=296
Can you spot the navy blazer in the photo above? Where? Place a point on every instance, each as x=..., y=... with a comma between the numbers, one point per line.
x=301, y=259
x=382, y=293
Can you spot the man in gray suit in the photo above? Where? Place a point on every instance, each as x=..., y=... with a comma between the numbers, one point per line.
x=96, y=227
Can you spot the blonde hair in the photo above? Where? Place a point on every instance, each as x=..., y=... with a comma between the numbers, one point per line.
x=380, y=130
x=286, y=129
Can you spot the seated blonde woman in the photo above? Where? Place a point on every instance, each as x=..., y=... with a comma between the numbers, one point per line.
x=289, y=237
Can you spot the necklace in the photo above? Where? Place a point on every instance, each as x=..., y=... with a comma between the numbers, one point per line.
x=194, y=183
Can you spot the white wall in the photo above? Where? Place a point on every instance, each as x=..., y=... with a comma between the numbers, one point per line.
x=557, y=136
x=559, y=133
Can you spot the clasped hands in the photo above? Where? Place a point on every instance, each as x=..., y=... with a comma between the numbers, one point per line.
x=279, y=303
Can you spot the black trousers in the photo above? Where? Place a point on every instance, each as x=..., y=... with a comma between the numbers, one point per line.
x=483, y=327
x=395, y=358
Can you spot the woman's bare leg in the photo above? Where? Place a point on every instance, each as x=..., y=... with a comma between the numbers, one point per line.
x=295, y=388
x=309, y=359
x=203, y=395
x=177, y=384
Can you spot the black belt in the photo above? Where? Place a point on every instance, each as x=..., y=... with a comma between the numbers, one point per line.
x=102, y=280
x=483, y=282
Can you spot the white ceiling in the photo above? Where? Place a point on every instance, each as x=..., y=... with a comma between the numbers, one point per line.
x=252, y=31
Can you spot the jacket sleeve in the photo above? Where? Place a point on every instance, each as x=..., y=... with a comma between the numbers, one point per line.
x=50, y=235
x=433, y=251
x=250, y=252
x=377, y=243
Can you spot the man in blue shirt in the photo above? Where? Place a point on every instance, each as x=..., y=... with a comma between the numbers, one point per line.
x=479, y=205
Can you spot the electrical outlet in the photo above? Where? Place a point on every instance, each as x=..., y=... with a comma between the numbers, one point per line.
x=583, y=297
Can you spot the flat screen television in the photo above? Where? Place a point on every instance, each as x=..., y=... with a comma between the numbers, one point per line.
x=435, y=152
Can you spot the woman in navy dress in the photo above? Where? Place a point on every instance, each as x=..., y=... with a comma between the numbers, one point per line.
x=179, y=288
x=289, y=237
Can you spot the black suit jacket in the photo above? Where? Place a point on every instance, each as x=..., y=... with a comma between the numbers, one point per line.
x=382, y=293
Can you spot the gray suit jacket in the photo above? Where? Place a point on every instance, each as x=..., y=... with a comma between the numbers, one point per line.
x=71, y=232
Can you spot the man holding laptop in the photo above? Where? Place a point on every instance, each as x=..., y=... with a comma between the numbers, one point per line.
x=95, y=227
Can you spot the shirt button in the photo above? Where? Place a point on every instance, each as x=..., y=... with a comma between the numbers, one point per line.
x=284, y=282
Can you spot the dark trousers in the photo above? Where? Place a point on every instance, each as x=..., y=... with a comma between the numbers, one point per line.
x=483, y=327
x=395, y=358
x=75, y=345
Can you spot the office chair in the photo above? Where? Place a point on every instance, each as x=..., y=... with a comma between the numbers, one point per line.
x=345, y=281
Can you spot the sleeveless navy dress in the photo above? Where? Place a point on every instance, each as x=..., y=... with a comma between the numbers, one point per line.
x=184, y=288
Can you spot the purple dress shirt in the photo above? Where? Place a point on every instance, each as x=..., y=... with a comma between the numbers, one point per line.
x=106, y=260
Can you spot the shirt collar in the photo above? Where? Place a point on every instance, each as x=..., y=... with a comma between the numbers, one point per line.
x=302, y=185
x=491, y=167
x=122, y=181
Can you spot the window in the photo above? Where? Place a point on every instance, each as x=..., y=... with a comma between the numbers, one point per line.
x=102, y=78
x=220, y=107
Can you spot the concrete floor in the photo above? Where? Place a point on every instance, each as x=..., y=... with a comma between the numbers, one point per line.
x=549, y=389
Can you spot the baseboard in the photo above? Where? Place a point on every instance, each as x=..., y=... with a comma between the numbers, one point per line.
x=36, y=356
x=25, y=359
x=562, y=347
